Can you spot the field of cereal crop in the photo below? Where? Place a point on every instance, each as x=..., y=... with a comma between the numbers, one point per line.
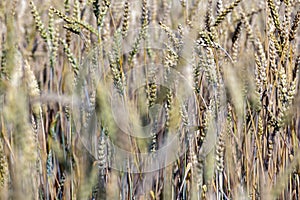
x=149, y=99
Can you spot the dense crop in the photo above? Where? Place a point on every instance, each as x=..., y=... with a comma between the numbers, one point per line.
x=149, y=99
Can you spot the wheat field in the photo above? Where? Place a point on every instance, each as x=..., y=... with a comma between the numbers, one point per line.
x=149, y=99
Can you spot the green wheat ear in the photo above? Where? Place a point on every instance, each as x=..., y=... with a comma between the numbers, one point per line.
x=38, y=22
x=126, y=18
x=225, y=12
x=71, y=57
x=100, y=12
